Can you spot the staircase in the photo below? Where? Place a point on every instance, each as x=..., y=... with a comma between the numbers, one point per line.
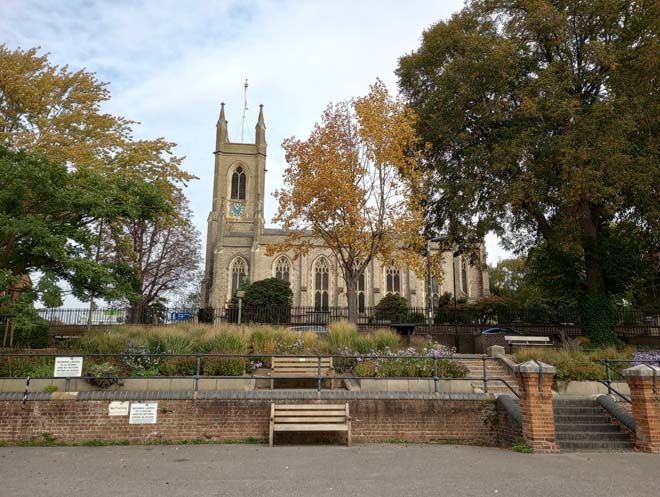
x=582, y=424
x=494, y=369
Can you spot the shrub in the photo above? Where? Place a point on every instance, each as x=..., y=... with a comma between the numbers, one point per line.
x=392, y=307
x=101, y=342
x=179, y=366
x=102, y=375
x=225, y=342
x=341, y=336
x=408, y=363
x=142, y=359
x=270, y=292
x=651, y=357
x=574, y=365
x=35, y=367
x=221, y=366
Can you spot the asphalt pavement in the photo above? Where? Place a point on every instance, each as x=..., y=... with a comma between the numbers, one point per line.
x=380, y=470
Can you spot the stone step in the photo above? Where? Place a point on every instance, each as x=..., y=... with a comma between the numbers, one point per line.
x=592, y=436
x=578, y=411
x=574, y=403
x=584, y=427
x=594, y=418
x=593, y=445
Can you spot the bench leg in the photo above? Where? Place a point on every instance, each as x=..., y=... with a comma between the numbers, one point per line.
x=272, y=383
x=348, y=435
x=270, y=435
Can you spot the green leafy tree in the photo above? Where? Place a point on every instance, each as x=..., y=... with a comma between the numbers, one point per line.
x=268, y=300
x=48, y=215
x=541, y=119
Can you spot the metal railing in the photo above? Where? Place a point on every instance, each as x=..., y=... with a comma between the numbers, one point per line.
x=628, y=321
x=611, y=370
x=199, y=359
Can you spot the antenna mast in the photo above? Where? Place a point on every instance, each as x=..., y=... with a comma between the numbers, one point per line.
x=245, y=108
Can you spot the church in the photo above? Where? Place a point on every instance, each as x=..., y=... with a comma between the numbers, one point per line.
x=237, y=240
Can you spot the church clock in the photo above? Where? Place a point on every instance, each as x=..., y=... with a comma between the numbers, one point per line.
x=236, y=209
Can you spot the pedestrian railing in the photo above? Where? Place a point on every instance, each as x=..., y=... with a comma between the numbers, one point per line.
x=614, y=373
x=485, y=379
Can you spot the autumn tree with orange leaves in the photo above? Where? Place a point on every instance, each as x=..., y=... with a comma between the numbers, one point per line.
x=353, y=183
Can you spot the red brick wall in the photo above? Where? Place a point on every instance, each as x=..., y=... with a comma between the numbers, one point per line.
x=224, y=420
x=508, y=432
x=646, y=411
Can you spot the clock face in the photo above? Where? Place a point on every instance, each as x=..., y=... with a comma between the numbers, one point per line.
x=237, y=209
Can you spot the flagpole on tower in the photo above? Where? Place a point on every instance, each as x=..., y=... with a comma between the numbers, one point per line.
x=245, y=108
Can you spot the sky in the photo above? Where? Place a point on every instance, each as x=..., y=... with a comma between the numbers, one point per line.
x=169, y=64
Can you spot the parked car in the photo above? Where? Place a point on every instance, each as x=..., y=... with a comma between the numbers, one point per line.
x=500, y=331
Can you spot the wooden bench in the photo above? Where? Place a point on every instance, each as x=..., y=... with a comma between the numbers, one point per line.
x=309, y=417
x=520, y=341
x=301, y=367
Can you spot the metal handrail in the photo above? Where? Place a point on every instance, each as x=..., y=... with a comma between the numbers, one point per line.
x=484, y=378
x=609, y=369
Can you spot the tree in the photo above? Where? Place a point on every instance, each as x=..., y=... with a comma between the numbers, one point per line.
x=47, y=217
x=542, y=119
x=163, y=251
x=353, y=182
x=270, y=292
x=56, y=112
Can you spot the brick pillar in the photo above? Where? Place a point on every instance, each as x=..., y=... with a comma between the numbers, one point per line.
x=645, y=406
x=538, y=421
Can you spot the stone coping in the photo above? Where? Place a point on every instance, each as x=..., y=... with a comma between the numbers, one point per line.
x=248, y=395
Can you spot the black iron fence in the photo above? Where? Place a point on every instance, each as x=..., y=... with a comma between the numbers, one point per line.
x=195, y=368
x=302, y=315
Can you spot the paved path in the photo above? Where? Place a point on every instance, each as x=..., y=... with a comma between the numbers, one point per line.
x=390, y=470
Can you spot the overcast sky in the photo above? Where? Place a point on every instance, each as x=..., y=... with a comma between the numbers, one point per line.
x=171, y=63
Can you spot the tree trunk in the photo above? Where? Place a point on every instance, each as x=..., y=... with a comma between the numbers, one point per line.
x=351, y=295
x=596, y=319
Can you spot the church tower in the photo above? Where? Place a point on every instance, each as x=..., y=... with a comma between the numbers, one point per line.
x=236, y=221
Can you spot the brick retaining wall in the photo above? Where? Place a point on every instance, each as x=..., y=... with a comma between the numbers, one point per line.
x=373, y=420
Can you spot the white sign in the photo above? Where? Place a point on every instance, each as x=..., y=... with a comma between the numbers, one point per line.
x=118, y=408
x=68, y=367
x=143, y=413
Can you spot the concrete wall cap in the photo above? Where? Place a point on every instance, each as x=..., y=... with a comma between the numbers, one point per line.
x=642, y=370
x=535, y=367
x=495, y=350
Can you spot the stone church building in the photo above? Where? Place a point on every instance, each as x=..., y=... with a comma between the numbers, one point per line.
x=237, y=241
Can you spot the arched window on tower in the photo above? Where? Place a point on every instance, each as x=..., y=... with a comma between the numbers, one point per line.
x=321, y=284
x=238, y=182
x=464, y=280
x=435, y=294
x=282, y=269
x=393, y=279
x=238, y=274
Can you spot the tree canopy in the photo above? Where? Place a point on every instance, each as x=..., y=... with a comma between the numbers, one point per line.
x=48, y=219
x=354, y=183
x=55, y=114
x=542, y=120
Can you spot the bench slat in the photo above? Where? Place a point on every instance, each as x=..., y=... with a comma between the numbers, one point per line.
x=310, y=413
x=310, y=419
x=310, y=427
x=310, y=406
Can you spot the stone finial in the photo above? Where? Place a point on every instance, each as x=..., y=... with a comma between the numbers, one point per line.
x=642, y=370
x=260, y=131
x=535, y=367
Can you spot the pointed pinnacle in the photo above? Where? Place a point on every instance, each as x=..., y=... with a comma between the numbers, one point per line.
x=261, y=115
